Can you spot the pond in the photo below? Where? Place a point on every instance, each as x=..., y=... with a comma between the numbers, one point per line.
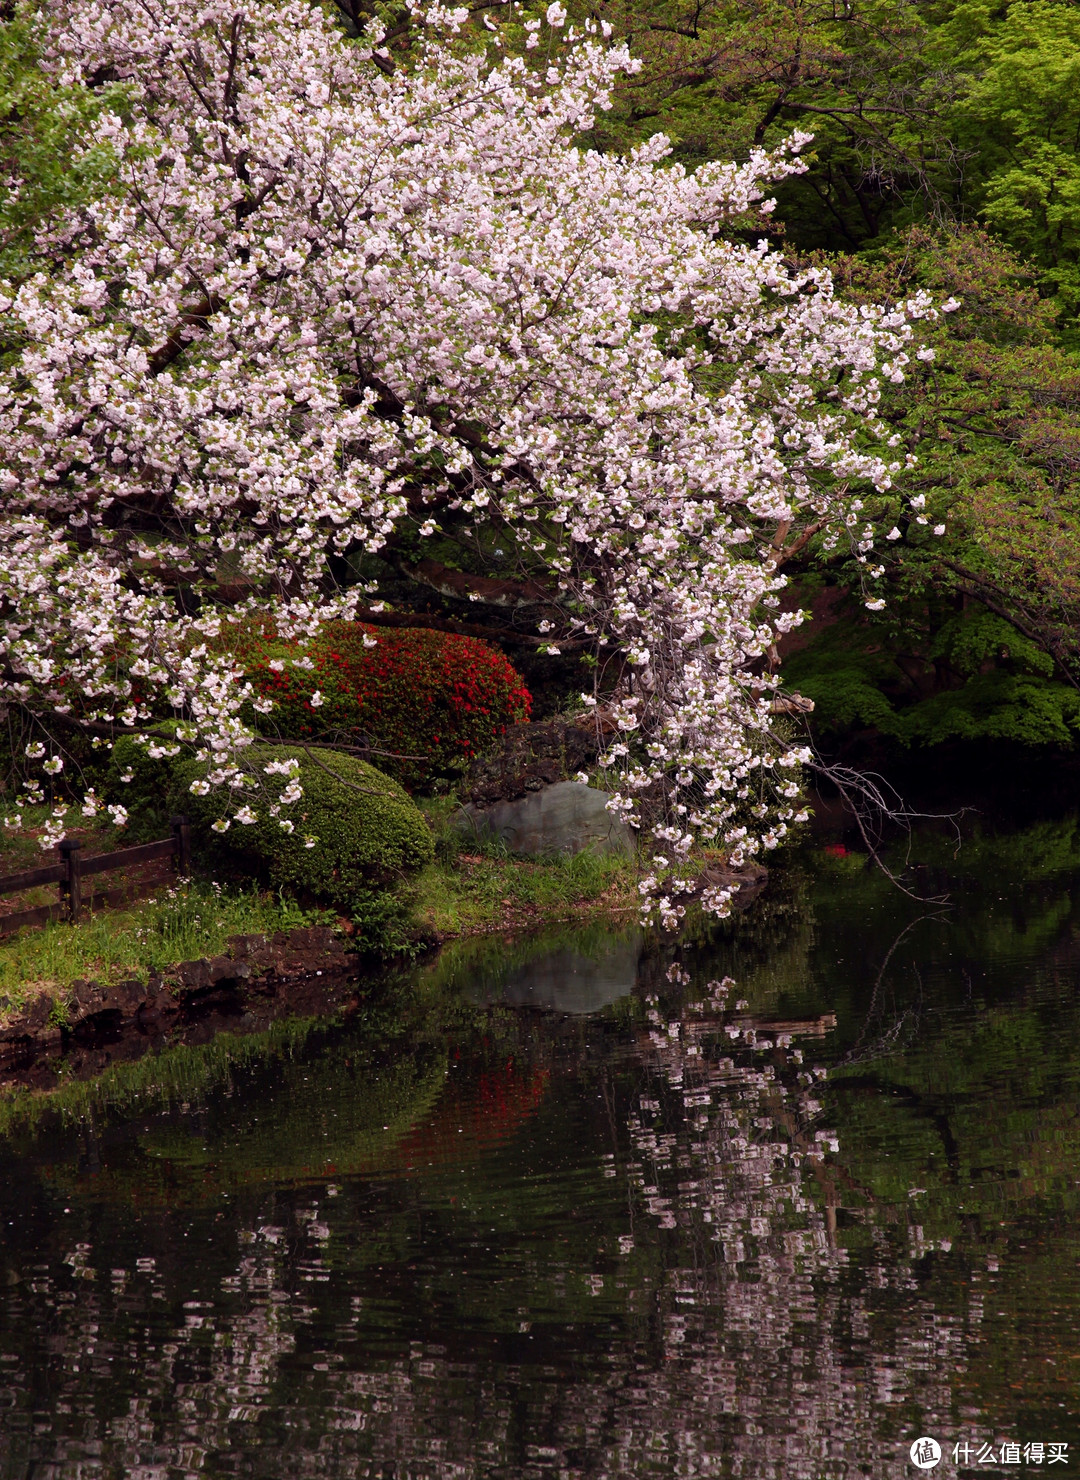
x=775, y=1203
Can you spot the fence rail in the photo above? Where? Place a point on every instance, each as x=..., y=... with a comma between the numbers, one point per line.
x=73, y=869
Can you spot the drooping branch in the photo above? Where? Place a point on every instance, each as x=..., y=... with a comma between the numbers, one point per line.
x=465, y=629
x=875, y=804
x=465, y=586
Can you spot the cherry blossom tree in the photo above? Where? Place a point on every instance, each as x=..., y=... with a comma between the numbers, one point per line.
x=327, y=301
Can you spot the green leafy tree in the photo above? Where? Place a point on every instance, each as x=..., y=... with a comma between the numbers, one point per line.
x=49, y=155
x=979, y=635
x=1019, y=121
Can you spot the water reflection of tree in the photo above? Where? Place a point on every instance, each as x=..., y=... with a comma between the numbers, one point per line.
x=738, y=1268
x=743, y=1339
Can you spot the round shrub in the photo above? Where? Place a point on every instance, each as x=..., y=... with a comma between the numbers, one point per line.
x=142, y=783
x=353, y=837
x=428, y=702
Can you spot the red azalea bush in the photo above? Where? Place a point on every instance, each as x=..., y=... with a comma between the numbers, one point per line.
x=430, y=695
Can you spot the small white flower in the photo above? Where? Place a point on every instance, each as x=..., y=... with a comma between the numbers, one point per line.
x=316, y=699
x=370, y=642
x=118, y=814
x=282, y=768
x=939, y=529
x=428, y=527
x=309, y=841
x=875, y=606
x=285, y=825
x=276, y=664
x=53, y=766
x=35, y=751
x=246, y=816
x=127, y=776
x=556, y=15
x=893, y=534
x=199, y=788
x=221, y=825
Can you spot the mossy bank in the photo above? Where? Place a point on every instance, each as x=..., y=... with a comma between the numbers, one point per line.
x=382, y=876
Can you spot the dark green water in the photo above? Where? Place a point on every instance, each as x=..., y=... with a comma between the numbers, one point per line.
x=574, y=1209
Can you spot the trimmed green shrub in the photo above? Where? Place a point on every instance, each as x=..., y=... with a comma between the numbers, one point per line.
x=142, y=783
x=355, y=832
x=428, y=702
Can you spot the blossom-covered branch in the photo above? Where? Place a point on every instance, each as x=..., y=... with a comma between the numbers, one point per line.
x=328, y=304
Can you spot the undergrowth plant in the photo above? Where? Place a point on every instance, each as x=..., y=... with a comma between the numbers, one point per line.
x=185, y=922
x=475, y=892
x=427, y=703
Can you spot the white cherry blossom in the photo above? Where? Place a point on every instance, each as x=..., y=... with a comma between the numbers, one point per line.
x=327, y=302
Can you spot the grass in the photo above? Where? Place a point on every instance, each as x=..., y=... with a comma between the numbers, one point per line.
x=20, y=850
x=185, y=922
x=460, y=894
x=493, y=890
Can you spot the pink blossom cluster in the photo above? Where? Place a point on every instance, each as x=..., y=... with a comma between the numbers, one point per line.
x=325, y=300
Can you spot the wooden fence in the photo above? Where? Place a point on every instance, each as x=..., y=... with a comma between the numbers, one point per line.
x=73, y=868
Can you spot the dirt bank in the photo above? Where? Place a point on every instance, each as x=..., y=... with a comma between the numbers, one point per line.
x=79, y=1032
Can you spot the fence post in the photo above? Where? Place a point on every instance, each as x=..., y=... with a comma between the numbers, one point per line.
x=181, y=845
x=69, y=849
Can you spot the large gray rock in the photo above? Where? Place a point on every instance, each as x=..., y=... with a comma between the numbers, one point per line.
x=565, y=818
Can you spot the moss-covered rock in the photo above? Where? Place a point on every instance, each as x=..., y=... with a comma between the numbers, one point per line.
x=355, y=832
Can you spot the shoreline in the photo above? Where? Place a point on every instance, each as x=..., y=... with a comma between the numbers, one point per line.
x=78, y=1030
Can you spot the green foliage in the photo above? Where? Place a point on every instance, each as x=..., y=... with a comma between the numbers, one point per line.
x=50, y=159
x=1019, y=119
x=970, y=640
x=930, y=675
x=952, y=112
x=356, y=833
x=998, y=706
x=993, y=424
x=728, y=75
x=143, y=784
x=186, y=922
